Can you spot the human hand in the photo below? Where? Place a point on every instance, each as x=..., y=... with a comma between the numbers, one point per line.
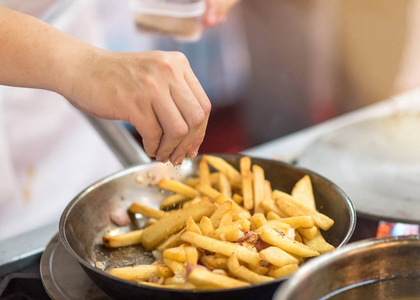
x=155, y=91
x=217, y=11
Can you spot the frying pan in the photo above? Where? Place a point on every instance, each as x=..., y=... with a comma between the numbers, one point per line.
x=96, y=210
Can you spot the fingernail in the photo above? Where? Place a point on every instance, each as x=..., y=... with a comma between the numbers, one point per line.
x=161, y=159
x=193, y=153
x=179, y=160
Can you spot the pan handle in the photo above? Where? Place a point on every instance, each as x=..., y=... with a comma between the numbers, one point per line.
x=120, y=141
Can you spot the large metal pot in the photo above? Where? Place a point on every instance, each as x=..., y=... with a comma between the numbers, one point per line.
x=387, y=268
x=89, y=216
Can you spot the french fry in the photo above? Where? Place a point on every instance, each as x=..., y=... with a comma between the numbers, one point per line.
x=293, y=211
x=277, y=257
x=258, y=188
x=243, y=273
x=204, y=172
x=121, y=240
x=173, y=240
x=165, y=272
x=298, y=238
x=222, y=166
x=322, y=221
x=139, y=272
x=290, y=209
x=178, y=268
x=205, y=279
x=299, y=221
x=303, y=192
x=173, y=222
x=226, y=219
x=229, y=233
x=174, y=280
x=137, y=208
x=172, y=201
x=190, y=225
x=246, y=177
x=283, y=271
x=214, y=177
x=245, y=224
x=258, y=220
x=178, y=187
x=260, y=270
x=149, y=222
x=318, y=243
x=269, y=205
x=224, y=186
x=225, y=248
x=218, y=213
x=271, y=215
x=208, y=191
x=238, y=199
x=206, y=226
x=191, y=255
x=276, y=225
x=267, y=189
x=176, y=254
x=218, y=263
x=191, y=202
x=277, y=239
x=308, y=233
x=237, y=210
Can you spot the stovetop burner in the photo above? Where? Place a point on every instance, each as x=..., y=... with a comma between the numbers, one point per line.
x=64, y=278
x=53, y=274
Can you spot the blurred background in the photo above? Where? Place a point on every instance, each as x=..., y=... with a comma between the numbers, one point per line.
x=278, y=66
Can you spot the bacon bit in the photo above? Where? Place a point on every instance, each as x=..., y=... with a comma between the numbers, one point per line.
x=191, y=267
x=120, y=217
x=250, y=237
x=154, y=278
x=279, y=231
x=261, y=245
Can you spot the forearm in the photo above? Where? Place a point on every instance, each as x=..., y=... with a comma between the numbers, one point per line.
x=36, y=55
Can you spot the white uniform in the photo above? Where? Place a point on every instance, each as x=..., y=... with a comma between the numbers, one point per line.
x=48, y=151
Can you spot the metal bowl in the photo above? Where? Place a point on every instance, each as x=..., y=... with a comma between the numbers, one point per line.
x=387, y=268
x=89, y=216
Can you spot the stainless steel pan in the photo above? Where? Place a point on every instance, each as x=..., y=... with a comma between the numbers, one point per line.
x=387, y=268
x=91, y=213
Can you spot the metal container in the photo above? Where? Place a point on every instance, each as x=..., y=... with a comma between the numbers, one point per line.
x=387, y=268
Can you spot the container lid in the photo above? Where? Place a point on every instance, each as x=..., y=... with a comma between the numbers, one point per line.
x=173, y=8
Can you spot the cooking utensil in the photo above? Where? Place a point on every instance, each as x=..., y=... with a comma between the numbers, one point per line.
x=387, y=268
x=89, y=216
x=376, y=162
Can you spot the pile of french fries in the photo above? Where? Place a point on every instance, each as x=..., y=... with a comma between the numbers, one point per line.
x=225, y=229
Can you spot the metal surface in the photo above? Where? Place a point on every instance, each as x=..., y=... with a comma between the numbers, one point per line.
x=63, y=278
x=384, y=265
x=88, y=217
x=120, y=141
x=376, y=162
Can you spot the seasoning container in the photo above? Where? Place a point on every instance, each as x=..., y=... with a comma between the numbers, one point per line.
x=181, y=19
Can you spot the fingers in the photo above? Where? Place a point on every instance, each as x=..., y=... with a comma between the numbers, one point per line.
x=173, y=125
x=194, y=117
x=150, y=130
x=205, y=104
x=172, y=113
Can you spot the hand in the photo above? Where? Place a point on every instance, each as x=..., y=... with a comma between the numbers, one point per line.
x=155, y=91
x=217, y=11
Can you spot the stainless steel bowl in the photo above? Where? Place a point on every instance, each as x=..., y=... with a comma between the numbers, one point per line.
x=387, y=268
